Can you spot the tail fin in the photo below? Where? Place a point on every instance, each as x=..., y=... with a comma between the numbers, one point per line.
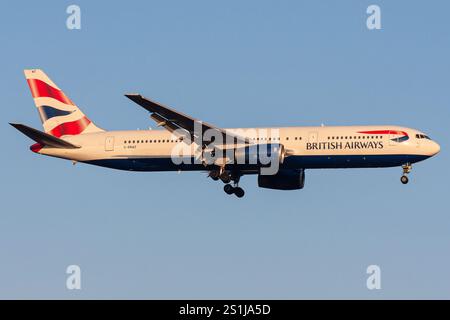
x=59, y=115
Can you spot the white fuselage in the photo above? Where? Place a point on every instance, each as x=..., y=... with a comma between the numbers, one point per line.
x=309, y=147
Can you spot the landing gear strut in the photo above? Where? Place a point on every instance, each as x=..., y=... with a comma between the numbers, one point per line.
x=406, y=169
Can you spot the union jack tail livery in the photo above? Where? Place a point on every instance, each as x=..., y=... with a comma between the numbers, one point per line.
x=59, y=115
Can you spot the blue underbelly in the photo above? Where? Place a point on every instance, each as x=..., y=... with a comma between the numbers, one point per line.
x=304, y=162
x=351, y=161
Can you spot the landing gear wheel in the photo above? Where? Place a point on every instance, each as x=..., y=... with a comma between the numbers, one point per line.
x=404, y=179
x=225, y=177
x=406, y=169
x=214, y=174
x=228, y=188
x=239, y=192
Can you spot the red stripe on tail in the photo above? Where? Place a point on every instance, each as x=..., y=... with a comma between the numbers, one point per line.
x=70, y=128
x=40, y=89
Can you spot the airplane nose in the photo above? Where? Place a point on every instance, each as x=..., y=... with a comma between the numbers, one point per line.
x=435, y=148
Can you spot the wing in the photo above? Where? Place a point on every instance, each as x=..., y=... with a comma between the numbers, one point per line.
x=172, y=120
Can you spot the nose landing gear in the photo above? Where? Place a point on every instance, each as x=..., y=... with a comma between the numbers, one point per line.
x=406, y=169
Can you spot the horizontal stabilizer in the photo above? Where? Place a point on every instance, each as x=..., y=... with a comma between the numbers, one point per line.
x=43, y=138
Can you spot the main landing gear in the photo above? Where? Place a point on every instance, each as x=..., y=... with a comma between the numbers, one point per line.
x=406, y=169
x=238, y=191
x=231, y=180
x=230, y=189
x=220, y=174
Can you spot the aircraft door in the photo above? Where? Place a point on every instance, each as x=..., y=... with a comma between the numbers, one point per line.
x=109, y=144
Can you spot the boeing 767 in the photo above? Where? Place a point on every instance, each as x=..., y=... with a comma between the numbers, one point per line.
x=279, y=156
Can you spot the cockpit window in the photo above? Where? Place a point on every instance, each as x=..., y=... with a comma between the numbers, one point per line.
x=422, y=136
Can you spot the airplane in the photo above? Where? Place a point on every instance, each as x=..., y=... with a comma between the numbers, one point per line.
x=225, y=154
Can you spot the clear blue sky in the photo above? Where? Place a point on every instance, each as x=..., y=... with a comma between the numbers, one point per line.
x=233, y=64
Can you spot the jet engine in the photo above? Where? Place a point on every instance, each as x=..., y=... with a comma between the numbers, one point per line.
x=283, y=180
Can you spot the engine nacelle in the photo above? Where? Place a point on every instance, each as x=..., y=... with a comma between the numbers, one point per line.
x=283, y=180
x=260, y=154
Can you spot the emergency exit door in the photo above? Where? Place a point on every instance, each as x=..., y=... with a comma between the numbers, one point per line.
x=109, y=144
